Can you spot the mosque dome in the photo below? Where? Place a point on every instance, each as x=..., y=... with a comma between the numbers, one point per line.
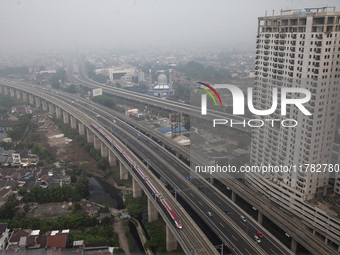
x=162, y=79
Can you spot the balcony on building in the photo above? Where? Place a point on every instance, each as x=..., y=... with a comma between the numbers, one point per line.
x=318, y=50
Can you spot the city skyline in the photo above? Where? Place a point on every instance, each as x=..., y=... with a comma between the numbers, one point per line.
x=48, y=25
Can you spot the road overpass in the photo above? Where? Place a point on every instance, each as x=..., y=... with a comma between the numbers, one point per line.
x=189, y=110
x=191, y=238
x=237, y=237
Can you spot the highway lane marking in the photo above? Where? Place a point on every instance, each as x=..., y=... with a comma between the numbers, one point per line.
x=273, y=251
x=247, y=250
x=170, y=169
x=219, y=202
x=223, y=226
x=229, y=224
x=234, y=237
x=200, y=203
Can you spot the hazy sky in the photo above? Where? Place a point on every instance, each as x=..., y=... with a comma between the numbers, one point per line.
x=44, y=24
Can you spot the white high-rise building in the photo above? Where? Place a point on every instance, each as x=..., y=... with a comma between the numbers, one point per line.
x=297, y=48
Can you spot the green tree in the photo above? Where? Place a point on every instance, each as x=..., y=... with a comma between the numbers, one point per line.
x=103, y=163
x=82, y=186
x=22, y=191
x=134, y=210
x=58, y=78
x=99, y=78
x=71, y=89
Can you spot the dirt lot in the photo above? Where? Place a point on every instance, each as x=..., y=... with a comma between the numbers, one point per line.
x=68, y=150
x=50, y=210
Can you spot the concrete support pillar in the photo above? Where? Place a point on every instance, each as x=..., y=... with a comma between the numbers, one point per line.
x=65, y=117
x=339, y=249
x=18, y=94
x=152, y=211
x=31, y=99
x=171, y=242
x=6, y=91
x=123, y=172
x=212, y=180
x=96, y=142
x=37, y=102
x=81, y=128
x=259, y=217
x=103, y=150
x=112, y=158
x=293, y=246
x=89, y=136
x=233, y=196
x=1, y=89
x=136, y=189
x=58, y=112
x=24, y=96
x=44, y=105
x=326, y=240
x=314, y=232
x=51, y=108
x=73, y=122
x=11, y=91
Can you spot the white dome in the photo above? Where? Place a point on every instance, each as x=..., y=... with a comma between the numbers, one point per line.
x=162, y=79
x=162, y=87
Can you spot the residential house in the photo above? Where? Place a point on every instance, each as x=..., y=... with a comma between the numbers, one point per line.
x=5, y=193
x=4, y=232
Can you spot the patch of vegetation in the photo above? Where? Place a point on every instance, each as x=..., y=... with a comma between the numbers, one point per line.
x=75, y=221
x=71, y=89
x=94, y=234
x=19, y=129
x=58, y=78
x=57, y=193
x=105, y=101
x=157, y=233
x=23, y=70
x=135, y=206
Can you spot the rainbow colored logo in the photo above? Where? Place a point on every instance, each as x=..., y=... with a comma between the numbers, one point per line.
x=208, y=92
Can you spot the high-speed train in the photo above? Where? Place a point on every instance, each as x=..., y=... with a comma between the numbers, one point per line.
x=160, y=199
